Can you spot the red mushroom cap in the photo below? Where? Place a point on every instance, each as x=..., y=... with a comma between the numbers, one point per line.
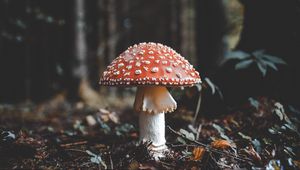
x=150, y=64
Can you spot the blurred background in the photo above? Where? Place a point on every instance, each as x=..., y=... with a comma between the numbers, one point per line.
x=246, y=48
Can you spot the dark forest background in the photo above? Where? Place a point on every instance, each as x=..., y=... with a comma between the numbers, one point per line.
x=50, y=47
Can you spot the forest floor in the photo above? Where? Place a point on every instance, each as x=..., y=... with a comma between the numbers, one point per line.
x=261, y=134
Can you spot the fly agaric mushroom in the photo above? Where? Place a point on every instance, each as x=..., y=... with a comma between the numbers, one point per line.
x=151, y=67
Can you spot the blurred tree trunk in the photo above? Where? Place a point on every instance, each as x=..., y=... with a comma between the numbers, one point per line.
x=219, y=25
x=112, y=29
x=101, y=50
x=174, y=24
x=187, y=23
x=234, y=15
x=28, y=62
x=107, y=32
x=80, y=70
x=113, y=36
x=126, y=29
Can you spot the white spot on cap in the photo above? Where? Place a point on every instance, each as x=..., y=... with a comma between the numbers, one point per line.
x=120, y=65
x=116, y=73
x=150, y=52
x=154, y=70
x=169, y=69
x=104, y=73
x=146, y=61
x=129, y=67
x=138, y=64
x=164, y=62
x=137, y=72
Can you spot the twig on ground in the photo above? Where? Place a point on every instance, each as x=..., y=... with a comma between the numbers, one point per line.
x=182, y=145
x=73, y=144
x=86, y=163
x=76, y=150
x=111, y=162
x=208, y=147
x=167, y=164
x=198, y=107
x=198, y=131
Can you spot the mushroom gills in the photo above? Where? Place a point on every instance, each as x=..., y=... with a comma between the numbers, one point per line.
x=154, y=100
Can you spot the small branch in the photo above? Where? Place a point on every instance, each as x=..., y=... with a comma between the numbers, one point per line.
x=76, y=150
x=175, y=146
x=168, y=165
x=207, y=146
x=73, y=144
x=198, y=131
x=183, y=136
x=198, y=107
x=111, y=162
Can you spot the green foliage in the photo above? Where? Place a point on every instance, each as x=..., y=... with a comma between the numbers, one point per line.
x=254, y=103
x=186, y=153
x=221, y=132
x=124, y=129
x=187, y=134
x=79, y=126
x=287, y=124
x=18, y=25
x=262, y=60
x=96, y=159
x=257, y=145
x=245, y=136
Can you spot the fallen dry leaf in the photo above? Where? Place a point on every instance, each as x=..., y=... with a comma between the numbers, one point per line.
x=297, y=163
x=106, y=115
x=252, y=153
x=198, y=153
x=146, y=167
x=90, y=120
x=221, y=144
x=134, y=165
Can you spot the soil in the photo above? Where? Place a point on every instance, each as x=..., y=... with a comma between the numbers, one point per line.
x=261, y=134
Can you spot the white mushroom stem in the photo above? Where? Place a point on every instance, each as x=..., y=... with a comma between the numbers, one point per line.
x=153, y=102
x=152, y=128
